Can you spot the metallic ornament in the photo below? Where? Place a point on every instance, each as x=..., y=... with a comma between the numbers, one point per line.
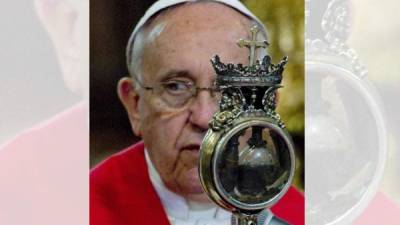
x=247, y=156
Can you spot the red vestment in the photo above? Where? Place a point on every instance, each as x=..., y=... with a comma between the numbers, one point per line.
x=121, y=193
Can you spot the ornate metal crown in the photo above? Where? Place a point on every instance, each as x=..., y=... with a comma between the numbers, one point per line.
x=262, y=73
x=247, y=89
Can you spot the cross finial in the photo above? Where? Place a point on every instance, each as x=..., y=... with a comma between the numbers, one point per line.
x=252, y=44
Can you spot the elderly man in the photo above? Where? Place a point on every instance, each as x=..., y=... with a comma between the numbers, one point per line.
x=169, y=104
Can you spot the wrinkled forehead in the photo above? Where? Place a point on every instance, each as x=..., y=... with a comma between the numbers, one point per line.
x=193, y=33
x=195, y=16
x=188, y=22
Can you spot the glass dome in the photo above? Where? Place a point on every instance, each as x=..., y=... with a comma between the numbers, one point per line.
x=253, y=166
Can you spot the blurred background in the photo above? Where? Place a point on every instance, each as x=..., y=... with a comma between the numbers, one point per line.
x=375, y=37
x=26, y=79
x=111, y=23
x=351, y=112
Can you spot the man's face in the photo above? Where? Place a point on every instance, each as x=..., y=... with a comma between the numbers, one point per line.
x=192, y=34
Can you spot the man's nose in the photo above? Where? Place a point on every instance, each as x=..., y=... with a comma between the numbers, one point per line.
x=202, y=109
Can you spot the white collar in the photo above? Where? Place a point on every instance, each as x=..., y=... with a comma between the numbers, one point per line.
x=179, y=210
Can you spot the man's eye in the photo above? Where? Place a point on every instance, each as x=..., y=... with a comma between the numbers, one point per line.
x=176, y=87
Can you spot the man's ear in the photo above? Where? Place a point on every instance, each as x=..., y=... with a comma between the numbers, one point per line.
x=130, y=99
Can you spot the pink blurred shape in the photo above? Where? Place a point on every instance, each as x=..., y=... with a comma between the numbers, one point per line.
x=44, y=172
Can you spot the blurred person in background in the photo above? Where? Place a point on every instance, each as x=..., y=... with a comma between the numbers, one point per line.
x=44, y=168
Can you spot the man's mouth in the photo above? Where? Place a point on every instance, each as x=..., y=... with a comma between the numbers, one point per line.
x=190, y=154
x=192, y=147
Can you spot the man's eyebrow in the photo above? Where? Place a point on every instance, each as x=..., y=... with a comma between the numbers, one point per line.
x=176, y=73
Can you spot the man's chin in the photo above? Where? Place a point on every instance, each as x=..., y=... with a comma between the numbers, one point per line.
x=200, y=198
x=193, y=188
